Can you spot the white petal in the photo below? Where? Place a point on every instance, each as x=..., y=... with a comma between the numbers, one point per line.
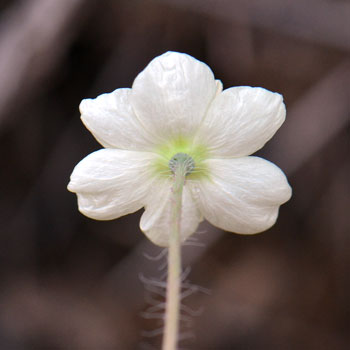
x=241, y=120
x=111, y=183
x=172, y=94
x=243, y=194
x=111, y=119
x=156, y=220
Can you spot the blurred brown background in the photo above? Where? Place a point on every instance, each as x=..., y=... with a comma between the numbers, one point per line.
x=68, y=282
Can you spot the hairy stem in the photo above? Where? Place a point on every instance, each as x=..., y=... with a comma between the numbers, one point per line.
x=172, y=309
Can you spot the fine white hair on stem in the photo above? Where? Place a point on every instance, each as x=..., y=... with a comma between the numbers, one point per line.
x=164, y=276
x=189, y=291
x=185, y=273
x=183, y=276
x=154, y=333
x=196, y=287
x=154, y=287
x=157, y=288
x=156, y=257
x=191, y=312
x=152, y=281
x=160, y=316
x=157, y=307
x=163, y=266
x=193, y=241
x=198, y=233
x=161, y=281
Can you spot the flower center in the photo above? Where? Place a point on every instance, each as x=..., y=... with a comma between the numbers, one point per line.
x=182, y=160
x=180, y=151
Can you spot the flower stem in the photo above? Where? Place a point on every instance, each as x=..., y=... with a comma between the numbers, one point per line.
x=172, y=309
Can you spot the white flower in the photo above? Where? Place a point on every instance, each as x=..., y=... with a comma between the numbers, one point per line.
x=176, y=106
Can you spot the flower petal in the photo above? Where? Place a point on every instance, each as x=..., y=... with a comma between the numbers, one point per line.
x=111, y=119
x=156, y=220
x=241, y=120
x=173, y=93
x=111, y=183
x=243, y=194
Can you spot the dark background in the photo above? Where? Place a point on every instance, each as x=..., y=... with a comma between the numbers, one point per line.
x=68, y=282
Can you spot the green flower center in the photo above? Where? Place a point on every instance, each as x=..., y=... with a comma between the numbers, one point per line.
x=183, y=151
